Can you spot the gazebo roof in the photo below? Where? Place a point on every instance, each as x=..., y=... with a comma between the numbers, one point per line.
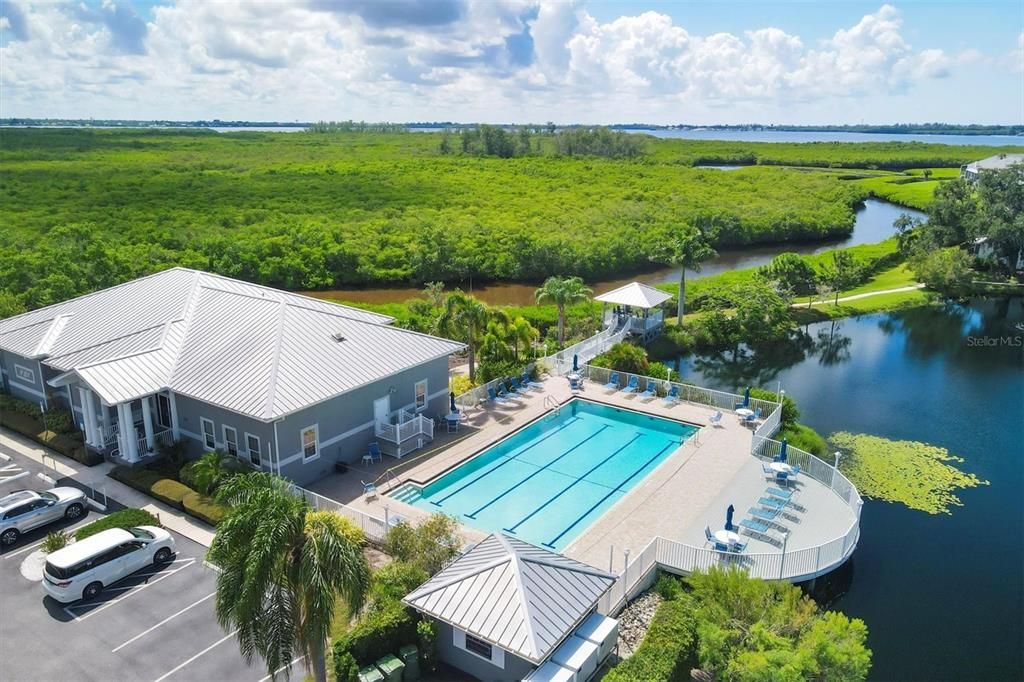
x=635, y=294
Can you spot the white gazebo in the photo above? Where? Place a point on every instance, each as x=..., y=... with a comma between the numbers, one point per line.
x=638, y=306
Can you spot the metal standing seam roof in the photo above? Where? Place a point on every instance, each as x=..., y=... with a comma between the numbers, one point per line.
x=997, y=162
x=519, y=597
x=248, y=348
x=635, y=294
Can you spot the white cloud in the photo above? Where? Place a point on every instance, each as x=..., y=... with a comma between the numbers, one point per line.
x=446, y=59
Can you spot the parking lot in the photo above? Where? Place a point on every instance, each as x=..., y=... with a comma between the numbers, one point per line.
x=156, y=625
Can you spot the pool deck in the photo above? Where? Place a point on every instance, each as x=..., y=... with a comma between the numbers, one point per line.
x=686, y=492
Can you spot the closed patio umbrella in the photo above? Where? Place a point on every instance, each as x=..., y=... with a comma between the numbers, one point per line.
x=782, y=450
x=452, y=397
x=746, y=397
x=728, y=517
x=575, y=362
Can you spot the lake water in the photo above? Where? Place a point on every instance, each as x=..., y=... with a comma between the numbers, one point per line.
x=941, y=595
x=807, y=136
x=873, y=224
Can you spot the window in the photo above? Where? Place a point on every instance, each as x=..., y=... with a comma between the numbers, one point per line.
x=421, y=395
x=18, y=511
x=252, y=444
x=478, y=646
x=209, y=439
x=163, y=410
x=230, y=440
x=310, y=442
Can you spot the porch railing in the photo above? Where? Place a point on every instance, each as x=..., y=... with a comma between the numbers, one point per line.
x=586, y=350
x=419, y=426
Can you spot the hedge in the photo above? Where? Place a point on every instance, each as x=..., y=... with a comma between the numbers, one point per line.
x=668, y=651
x=377, y=634
x=175, y=494
x=32, y=428
x=125, y=518
x=204, y=507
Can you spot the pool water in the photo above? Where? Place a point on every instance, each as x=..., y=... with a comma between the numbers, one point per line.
x=550, y=480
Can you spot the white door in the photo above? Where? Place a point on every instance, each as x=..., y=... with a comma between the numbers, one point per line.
x=382, y=409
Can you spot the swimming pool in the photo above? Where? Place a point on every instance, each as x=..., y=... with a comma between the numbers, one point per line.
x=550, y=480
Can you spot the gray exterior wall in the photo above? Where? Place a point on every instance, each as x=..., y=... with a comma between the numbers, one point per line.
x=16, y=369
x=190, y=413
x=516, y=668
x=345, y=423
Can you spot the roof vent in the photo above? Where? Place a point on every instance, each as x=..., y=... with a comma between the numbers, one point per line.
x=338, y=336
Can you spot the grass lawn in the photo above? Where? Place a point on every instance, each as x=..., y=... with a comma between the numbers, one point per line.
x=909, y=189
x=893, y=278
x=872, y=304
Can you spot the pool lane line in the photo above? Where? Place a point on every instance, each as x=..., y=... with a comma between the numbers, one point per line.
x=538, y=471
x=602, y=500
x=438, y=503
x=573, y=484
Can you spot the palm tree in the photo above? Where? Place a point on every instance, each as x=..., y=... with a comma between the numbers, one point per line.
x=282, y=569
x=686, y=249
x=465, y=318
x=521, y=332
x=563, y=292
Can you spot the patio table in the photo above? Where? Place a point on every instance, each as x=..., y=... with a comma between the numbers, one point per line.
x=781, y=468
x=744, y=412
x=727, y=537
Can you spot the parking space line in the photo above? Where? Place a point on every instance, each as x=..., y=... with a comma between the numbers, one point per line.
x=165, y=620
x=286, y=665
x=206, y=650
x=139, y=588
x=15, y=477
x=73, y=527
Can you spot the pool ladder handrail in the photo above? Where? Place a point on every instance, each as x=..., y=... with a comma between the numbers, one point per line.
x=551, y=403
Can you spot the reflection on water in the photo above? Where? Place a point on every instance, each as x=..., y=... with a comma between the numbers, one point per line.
x=943, y=595
x=873, y=224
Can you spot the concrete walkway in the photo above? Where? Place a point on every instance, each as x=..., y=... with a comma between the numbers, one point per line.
x=869, y=294
x=96, y=478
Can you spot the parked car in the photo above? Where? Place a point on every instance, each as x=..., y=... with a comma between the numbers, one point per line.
x=24, y=510
x=82, y=569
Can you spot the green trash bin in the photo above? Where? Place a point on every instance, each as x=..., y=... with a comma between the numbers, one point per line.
x=410, y=655
x=370, y=674
x=391, y=667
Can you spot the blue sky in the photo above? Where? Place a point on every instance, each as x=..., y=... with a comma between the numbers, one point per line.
x=515, y=60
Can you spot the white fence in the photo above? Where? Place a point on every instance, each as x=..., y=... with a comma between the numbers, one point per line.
x=586, y=350
x=399, y=433
x=373, y=527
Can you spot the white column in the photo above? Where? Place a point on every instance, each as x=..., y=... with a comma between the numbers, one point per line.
x=147, y=424
x=88, y=415
x=104, y=423
x=175, y=430
x=130, y=447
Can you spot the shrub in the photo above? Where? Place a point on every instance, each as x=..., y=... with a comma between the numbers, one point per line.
x=432, y=545
x=497, y=369
x=394, y=581
x=346, y=669
x=460, y=384
x=58, y=539
x=805, y=438
x=668, y=587
x=668, y=650
x=9, y=404
x=140, y=479
x=790, y=413
x=61, y=421
x=203, y=507
x=170, y=491
x=376, y=634
x=22, y=416
x=426, y=630
x=125, y=518
x=624, y=357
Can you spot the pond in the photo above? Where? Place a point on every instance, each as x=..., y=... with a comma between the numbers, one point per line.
x=942, y=595
x=873, y=223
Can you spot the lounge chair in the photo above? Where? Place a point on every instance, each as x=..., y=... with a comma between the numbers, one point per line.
x=528, y=383
x=369, y=489
x=517, y=386
x=651, y=392
x=756, y=526
x=772, y=503
x=763, y=514
x=632, y=386
x=494, y=397
x=716, y=419
x=673, y=396
x=509, y=388
x=769, y=473
x=780, y=493
x=613, y=382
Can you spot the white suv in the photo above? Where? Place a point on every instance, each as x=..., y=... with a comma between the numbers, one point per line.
x=82, y=569
x=24, y=510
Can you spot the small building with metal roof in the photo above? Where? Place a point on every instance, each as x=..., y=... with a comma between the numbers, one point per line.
x=286, y=382
x=637, y=307
x=971, y=172
x=505, y=606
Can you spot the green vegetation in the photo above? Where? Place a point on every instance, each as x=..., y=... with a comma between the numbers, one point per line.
x=210, y=471
x=282, y=567
x=915, y=192
x=735, y=628
x=124, y=518
x=915, y=474
x=89, y=208
x=563, y=292
x=686, y=248
x=430, y=546
x=59, y=432
x=58, y=539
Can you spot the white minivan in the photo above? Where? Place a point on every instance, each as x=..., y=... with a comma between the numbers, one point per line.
x=82, y=569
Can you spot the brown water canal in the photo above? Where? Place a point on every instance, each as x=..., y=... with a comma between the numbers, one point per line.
x=873, y=224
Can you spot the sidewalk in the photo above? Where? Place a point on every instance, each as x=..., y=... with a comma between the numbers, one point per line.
x=96, y=478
